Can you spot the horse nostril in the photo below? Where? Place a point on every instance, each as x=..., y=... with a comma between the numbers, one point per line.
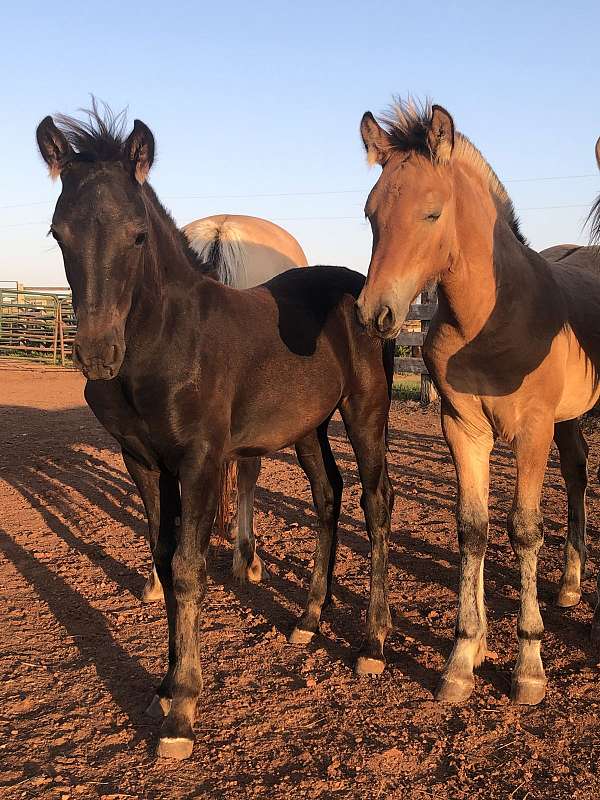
x=385, y=320
x=114, y=354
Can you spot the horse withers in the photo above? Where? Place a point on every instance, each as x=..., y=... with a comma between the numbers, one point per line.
x=514, y=350
x=188, y=374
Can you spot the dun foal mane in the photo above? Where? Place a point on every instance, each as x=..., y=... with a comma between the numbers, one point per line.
x=407, y=122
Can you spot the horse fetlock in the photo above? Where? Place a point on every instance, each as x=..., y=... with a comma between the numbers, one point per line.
x=481, y=652
x=159, y=707
x=153, y=590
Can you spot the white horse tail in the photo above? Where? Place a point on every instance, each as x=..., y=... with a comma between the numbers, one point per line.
x=219, y=242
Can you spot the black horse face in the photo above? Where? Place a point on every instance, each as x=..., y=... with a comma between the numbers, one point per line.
x=100, y=224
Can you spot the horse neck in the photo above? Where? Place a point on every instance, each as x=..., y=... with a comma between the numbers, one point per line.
x=489, y=266
x=168, y=273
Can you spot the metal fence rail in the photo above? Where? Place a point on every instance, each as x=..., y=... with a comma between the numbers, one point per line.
x=37, y=325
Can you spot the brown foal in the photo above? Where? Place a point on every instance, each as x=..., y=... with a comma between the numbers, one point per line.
x=514, y=350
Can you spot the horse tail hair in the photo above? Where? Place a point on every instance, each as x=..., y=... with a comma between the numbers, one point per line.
x=227, y=490
x=219, y=244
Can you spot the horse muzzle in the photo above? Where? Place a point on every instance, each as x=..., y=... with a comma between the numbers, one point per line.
x=98, y=360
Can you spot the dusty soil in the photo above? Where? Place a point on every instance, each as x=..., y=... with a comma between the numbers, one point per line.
x=80, y=655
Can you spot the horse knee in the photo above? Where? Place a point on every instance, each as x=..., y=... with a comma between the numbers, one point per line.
x=375, y=505
x=472, y=527
x=525, y=529
x=189, y=576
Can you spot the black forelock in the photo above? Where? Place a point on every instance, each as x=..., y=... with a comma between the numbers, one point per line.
x=100, y=137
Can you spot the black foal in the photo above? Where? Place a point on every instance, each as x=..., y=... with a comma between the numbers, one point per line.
x=188, y=374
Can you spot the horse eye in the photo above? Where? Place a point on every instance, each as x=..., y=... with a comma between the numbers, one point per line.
x=55, y=235
x=140, y=239
x=434, y=216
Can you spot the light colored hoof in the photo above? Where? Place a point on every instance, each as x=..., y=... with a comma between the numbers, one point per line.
x=159, y=707
x=298, y=636
x=254, y=573
x=528, y=692
x=454, y=690
x=257, y=571
x=369, y=666
x=177, y=748
x=567, y=598
x=152, y=591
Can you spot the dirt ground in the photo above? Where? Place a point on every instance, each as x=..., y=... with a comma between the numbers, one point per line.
x=80, y=655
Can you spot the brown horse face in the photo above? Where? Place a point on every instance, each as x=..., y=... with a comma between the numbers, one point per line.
x=100, y=224
x=411, y=211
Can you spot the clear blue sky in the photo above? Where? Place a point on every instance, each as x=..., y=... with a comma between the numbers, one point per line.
x=260, y=98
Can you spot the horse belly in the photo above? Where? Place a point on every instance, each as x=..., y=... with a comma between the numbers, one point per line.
x=272, y=424
x=581, y=390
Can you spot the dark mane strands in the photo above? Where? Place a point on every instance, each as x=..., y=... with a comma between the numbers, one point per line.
x=593, y=220
x=102, y=137
x=99, y=138
x=407, y=122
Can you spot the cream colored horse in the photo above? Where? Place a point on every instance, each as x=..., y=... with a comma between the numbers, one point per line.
x=242, y=252
x=246, y=251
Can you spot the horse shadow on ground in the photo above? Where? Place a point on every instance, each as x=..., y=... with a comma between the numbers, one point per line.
x=60, y=469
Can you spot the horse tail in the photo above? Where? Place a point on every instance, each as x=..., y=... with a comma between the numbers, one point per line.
x=218, y=242
x=227, y=489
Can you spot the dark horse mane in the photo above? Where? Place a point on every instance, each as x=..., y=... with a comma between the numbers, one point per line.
x=408, y=122
x=593, y=220
x=102, y=137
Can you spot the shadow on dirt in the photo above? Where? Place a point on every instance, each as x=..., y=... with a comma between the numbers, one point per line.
x=51, y=458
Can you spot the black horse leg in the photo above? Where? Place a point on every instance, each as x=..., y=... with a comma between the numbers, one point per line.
x=247, y=566
x=316, y=459
x=161, y=507
x=365, y=425
x=183, y=573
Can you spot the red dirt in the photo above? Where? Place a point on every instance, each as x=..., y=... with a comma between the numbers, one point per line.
x=79, y=654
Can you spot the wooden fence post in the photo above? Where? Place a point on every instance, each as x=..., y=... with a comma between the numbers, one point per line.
x=428, y=391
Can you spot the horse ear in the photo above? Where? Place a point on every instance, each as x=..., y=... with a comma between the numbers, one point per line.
x=598, y=152
x=139, y=150
x=54, y=147
x=376, y=141
x=440, y=136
